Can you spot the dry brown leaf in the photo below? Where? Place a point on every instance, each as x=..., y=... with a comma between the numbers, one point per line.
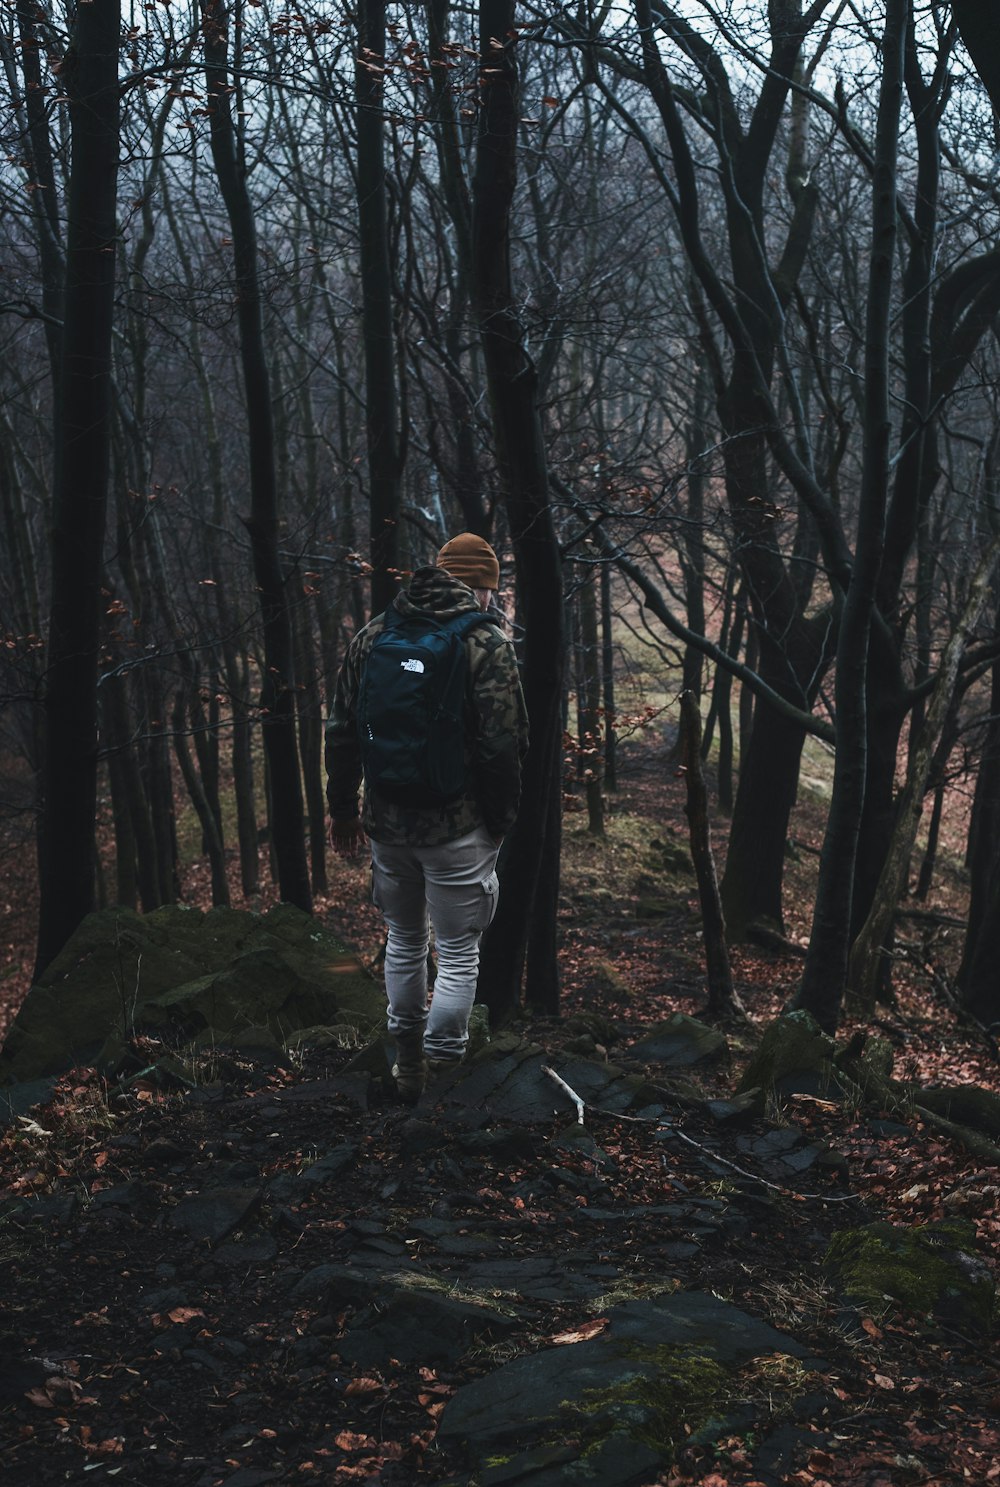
x=185, y=1313
x=364, y=1385
x=579, y=1334
x=350, y=1440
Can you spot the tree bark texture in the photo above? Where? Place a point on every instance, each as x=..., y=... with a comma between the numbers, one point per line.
x=866, y=952
x=722, y=999
x=82, y=436
x=385, y=462
x=528, y=895
x=591, y=731
x=278, y=673
x=825, y=974
x=608, y=681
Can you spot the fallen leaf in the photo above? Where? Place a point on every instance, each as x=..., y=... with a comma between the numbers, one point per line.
x=579, y=1334
x=364, y=1385
x=350, y=1440
x=40, y=1398
x=882, y=1381
x=185, y=1313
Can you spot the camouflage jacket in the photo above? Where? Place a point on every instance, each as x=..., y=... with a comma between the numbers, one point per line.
x=496, y=731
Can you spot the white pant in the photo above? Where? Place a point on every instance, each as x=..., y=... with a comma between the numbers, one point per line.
x=457, y=883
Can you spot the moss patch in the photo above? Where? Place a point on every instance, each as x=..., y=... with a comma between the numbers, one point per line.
x=928, y=1270
x=672, y=1387
x=793, y=1055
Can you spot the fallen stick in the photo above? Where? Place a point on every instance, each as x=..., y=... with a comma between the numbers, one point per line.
x=571, y=1092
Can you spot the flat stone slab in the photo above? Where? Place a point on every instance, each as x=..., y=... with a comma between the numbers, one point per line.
x=508, y=1081
x=680, y=1042
x=214, y=1214
x=608, y=1399
x=18, y=1099
x=415, y=1324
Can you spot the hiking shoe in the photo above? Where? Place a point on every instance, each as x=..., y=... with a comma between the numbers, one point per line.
x=410, y=1069
x=437, y=1068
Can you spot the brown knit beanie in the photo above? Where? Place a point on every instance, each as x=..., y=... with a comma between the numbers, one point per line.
x=471, y=560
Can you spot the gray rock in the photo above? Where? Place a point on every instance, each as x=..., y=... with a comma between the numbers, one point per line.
x=235, y=1254
x=327, y=1167
x=226, y=969
x=507, y=1081
x=336, y=1287
x=680, y=1042
x=794, y=1057
x=18, y=1099
x=214, y=1214
x=131, y=1195
x=624, y=1397
x=419, y=1325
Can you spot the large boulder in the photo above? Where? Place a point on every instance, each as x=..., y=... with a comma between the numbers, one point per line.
x=928, y=1270
x=183, y=972
x=794, y=1056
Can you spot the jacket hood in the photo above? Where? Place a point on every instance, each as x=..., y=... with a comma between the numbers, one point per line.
x=434, y=591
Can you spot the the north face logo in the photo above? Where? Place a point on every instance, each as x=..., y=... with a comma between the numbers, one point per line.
x=412, y=665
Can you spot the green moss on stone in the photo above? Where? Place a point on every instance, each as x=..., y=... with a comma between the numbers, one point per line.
x=672, y=1387
x=927, y=1269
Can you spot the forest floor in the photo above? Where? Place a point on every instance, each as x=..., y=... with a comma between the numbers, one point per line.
x=198, y=1283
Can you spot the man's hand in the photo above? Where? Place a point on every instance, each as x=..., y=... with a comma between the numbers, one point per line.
x=347, y=839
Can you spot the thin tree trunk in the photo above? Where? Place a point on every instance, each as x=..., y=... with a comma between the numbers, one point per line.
x=528, y=895
x=824, y=977
x=80, y=488
x=608, y=681
x=139, y=837
x=202, y=804
x=591, y=732
x=277, y=675
x=722, y=999
x=381, y=403
x=865, y=960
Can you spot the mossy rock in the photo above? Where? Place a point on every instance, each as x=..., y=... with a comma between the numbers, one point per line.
x=650, y=907
x=680, y=1042
x=670, y=1393
x=928, y=1270
x=793, y=1057
x=605, y=978
x=594, y=1025
x=178, y=967
x=673, y=856
x=611, y=1411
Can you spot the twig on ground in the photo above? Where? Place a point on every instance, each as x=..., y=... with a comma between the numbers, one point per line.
x=774, y=1187
x=713, y=1156
x=571, y=1092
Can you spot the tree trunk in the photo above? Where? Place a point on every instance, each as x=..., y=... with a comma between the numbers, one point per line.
x=722, y=999
x=608, y=681
x=277, y=675
x=310, y=713
x=138, y=837
x=203, y=807
x=825, y=974
x=381, y=404
x=528, y=895
x=865, y=960
x=591, y=732
x=984, y=829
x=82, y=453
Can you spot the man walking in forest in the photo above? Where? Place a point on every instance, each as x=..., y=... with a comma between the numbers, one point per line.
x=429, y=712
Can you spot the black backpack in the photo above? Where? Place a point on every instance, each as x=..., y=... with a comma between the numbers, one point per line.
x=411, y=707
